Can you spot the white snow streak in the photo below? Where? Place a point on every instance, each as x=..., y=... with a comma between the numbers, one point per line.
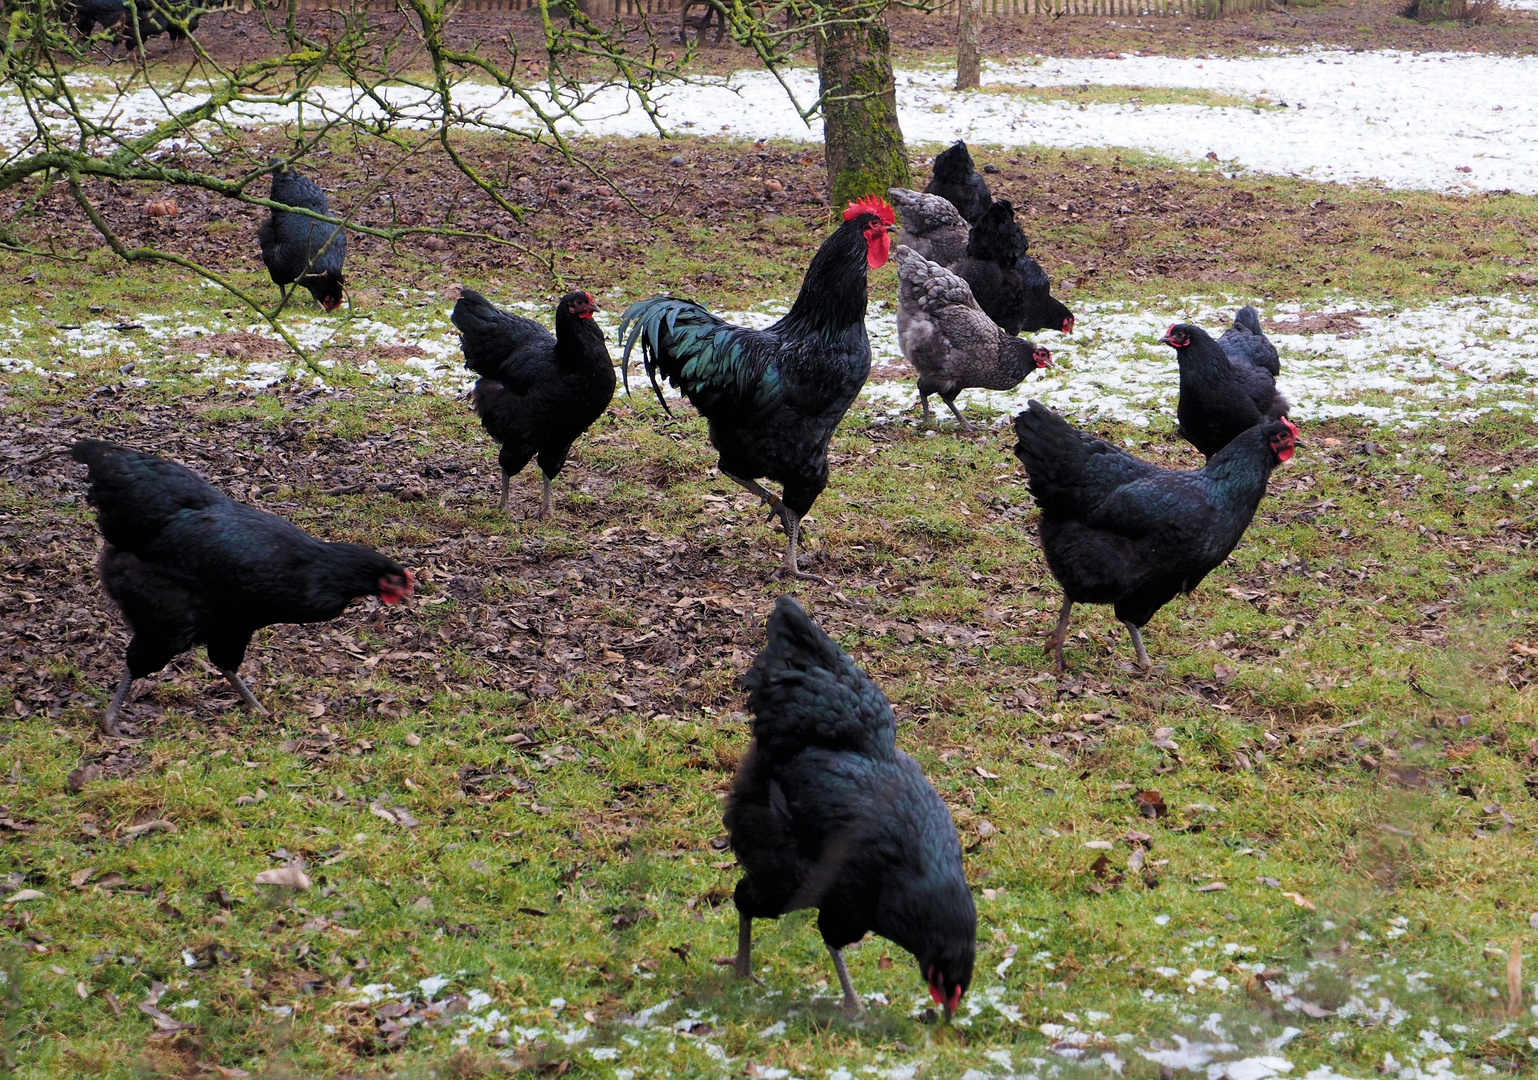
x=1351, y=117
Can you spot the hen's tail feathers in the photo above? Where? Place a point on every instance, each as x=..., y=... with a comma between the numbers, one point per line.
x=1054, y=454
x=1247, y=318
x=805, y=691
x=485, y=332
x=1279, y=407
x=136, y=494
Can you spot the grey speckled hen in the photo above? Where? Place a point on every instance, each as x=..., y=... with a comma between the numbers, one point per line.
x=825, y=812
x=950, y=341
x=931, y=226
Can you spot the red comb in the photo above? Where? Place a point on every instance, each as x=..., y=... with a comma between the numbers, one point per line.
x=1290, y=425
x=871, y=204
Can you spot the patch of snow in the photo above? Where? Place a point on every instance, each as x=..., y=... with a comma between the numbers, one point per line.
x=1350, y=117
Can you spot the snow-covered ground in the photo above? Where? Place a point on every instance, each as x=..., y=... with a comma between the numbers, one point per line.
x=1443, y=121
x=1448, y=361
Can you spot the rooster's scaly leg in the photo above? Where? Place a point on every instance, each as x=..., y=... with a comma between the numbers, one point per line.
x=792, y=567
x=547, y=504
x=1060, y=632
x=502, y=506
x=776, y=506
x=1137, y=643
x=852, y=1006
x=109, y=721
x=243, y=690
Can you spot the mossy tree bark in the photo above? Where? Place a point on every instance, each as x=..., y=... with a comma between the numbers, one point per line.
x=862, y=141
x=969, y=70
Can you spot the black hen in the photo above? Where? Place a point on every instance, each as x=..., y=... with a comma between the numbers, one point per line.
x=134, y=23
x=825, y=812
x=1008, y=284
x=773, y=397
x=1219, y=396
x=299, y=248
x=1246, y=342
x=537, y=394
x=187, y=565
x=957, y=181
x=1116, y=530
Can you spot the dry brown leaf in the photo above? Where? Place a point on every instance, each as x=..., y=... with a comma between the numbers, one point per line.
x=289, y=877
x=23, y=895
x=158, y=825
x=1301, y=901
x=1150, y=804
x=1514, y=980
x=1213, y=886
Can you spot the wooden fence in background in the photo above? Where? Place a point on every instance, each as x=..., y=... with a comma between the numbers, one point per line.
x=1190, y=9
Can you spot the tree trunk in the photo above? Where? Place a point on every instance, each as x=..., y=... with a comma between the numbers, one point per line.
x=863, y=143
x=969, y=73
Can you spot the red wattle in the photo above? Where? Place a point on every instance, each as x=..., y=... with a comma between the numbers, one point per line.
x=878, y=249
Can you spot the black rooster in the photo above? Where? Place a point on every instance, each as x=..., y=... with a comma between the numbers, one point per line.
x=1008, y=284
x=1219, y=396
x=537, y=394
x=187, y=565
x=957, y=181
x=825, y=812
x=773, y=397
x=1116, y=530
x=297, y=247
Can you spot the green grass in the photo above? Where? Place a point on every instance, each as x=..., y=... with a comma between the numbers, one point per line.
x=1347, y=698
x=1330, y=735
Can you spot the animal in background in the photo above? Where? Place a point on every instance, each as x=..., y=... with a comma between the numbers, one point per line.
x=296, y=247
x=825, y=812
x=773, y=397
x=1219, y=396
x=948, y=339
x=536, y=394
x=956, y=181
x=931, y=226
x=1246, y=342
x=1007, y=283
x=187, y=565
x=1117, y=530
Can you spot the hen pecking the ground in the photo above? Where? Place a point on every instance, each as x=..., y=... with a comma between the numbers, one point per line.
x=825, y=812
x=188, y=565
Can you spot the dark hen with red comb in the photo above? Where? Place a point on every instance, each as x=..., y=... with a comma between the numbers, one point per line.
x=187, y=565
x=1220, y=397
x=825, y=812
x=1117, y=530
x=537, y=393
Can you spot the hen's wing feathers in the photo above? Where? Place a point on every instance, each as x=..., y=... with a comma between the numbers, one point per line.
x=726, y=371
x=804, y=691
